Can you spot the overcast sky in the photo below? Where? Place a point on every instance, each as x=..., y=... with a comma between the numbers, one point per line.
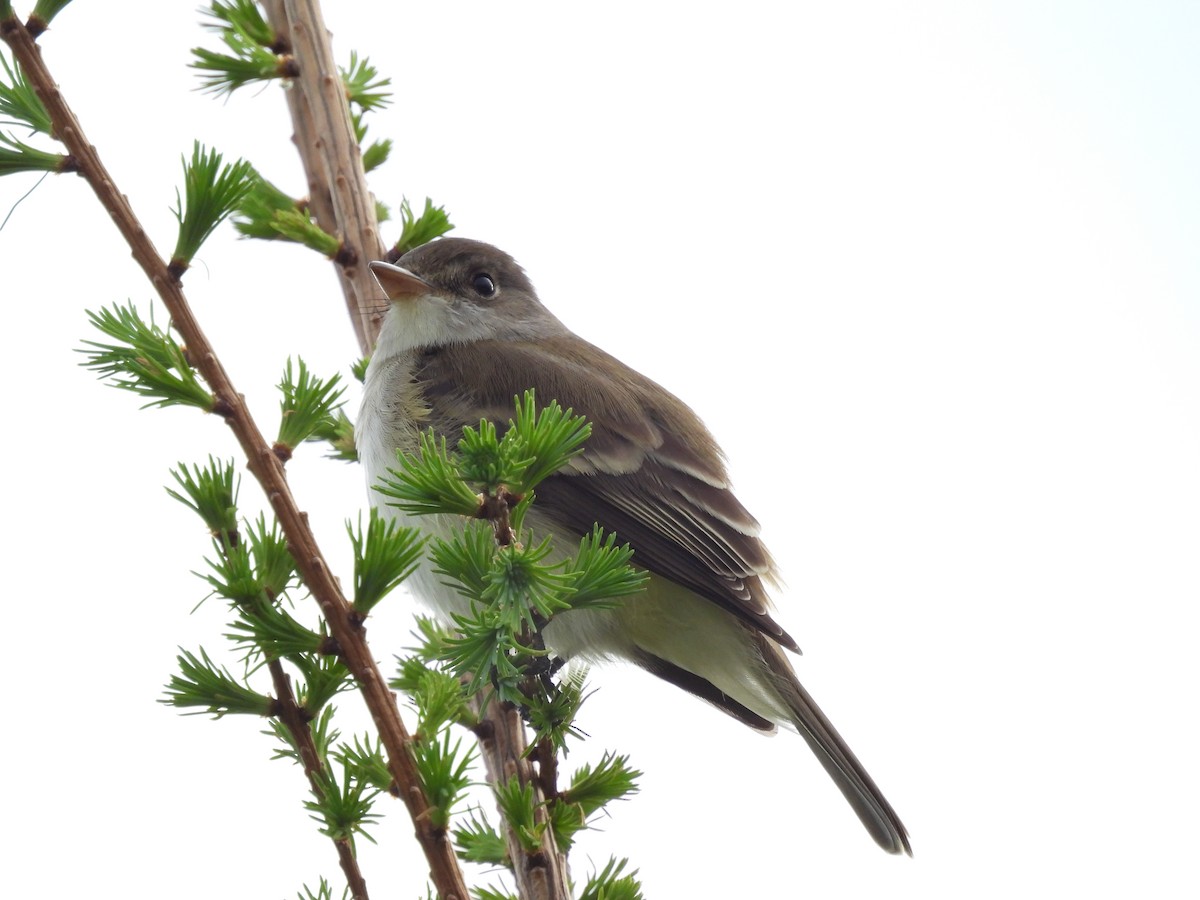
x=928, y=270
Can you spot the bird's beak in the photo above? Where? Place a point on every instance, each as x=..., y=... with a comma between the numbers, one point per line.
x=398, y=283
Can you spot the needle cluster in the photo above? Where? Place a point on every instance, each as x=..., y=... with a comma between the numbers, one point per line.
x=417, y=230
x=253, y=52
x=268, y=213
x=21, y=107
x=145, y=359
x=309, y=408
x=212, y=190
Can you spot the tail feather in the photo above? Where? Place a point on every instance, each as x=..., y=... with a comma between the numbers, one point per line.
x=831, y=750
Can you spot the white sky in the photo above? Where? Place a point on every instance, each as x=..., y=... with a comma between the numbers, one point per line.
x=946, y=251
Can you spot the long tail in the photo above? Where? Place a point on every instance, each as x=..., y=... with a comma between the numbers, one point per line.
x=837, y=758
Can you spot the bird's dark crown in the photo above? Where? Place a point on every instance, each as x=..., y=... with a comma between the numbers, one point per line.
x=453, y=264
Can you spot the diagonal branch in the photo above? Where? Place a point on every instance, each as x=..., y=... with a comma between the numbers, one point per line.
x=292, y=717
x=262, y=463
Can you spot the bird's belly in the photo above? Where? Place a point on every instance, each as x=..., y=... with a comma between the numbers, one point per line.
x=666, y=621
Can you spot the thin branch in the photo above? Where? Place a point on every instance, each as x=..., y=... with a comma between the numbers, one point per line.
x=547, y=762
x=263, y=464
x=542, y=875
x=339, y=198
x=292, y=717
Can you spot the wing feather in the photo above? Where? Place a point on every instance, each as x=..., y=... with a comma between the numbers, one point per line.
x=651, y=471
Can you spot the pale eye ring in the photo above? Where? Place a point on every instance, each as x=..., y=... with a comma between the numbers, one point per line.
x=483, y=284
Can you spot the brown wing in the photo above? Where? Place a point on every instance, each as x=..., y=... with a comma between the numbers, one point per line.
x=650, y=472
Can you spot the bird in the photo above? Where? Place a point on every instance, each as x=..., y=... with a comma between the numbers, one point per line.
x=464, y=333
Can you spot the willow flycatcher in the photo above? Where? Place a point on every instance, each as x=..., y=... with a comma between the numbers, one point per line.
x=464, y=334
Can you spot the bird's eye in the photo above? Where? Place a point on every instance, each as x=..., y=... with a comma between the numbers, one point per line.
x=483, y=284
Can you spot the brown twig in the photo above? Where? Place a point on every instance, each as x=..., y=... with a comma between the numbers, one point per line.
x=261, y=461
x=293, y=718
x=547, y=761
x=296, y=721
x=542, y=875
x=497, y=510
x=339, y=198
